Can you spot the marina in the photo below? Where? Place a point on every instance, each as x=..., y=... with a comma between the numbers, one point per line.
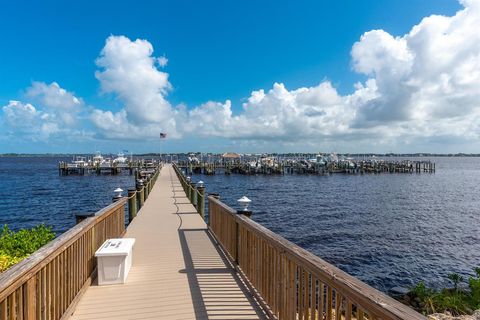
x=320, y=164
x=97, y=164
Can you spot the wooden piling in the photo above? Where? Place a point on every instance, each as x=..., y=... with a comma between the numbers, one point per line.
x=201, y=202
x=132, y=204
x=147, y=188
x=141, y=195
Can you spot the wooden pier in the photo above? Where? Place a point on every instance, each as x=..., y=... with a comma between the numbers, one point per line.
x=304, y=167
x=66, y=169
x=183, y=268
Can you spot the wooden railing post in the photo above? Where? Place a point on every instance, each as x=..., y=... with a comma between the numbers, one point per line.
x=146, y=181
x=149, y=185
x=132, y=204
x=141, y=194
x=195, y=196
x=189, y=191
x=201, y=201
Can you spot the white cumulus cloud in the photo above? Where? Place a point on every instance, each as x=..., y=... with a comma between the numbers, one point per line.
x=419, y=87
x=425, y=83
x=47, y=111
x=128, y=70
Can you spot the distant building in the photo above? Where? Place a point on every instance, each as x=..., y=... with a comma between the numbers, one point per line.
x=230, y=157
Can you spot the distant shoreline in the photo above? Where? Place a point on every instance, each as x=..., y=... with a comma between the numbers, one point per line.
x=53, y=155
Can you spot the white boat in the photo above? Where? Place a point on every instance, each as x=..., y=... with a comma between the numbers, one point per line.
x=77, y=162
x=97, y=159
x=332, y=157
x=193, y=160
x=120, y=160
x=107, y=163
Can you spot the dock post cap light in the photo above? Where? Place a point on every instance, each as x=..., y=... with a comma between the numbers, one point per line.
x=244, y=201
x=118, y=192
x=200, y=184
x=189, y=178
x=140, y=182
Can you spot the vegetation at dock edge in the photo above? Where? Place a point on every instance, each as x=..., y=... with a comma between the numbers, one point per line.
x=457, y=300
x=15, y=246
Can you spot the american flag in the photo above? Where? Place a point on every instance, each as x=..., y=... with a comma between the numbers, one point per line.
x=163, y=135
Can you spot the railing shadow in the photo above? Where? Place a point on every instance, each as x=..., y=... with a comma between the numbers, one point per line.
x=217, y=292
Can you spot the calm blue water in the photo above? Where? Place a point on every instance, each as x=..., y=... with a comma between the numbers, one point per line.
x=32, y=192
x=388, y=230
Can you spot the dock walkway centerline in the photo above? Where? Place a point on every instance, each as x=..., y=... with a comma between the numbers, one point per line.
x=178, y=271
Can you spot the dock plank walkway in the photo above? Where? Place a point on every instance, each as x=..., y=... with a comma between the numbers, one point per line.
x=177, y=272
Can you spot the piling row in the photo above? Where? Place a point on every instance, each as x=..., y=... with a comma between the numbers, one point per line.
x=65, y=168
x=306, y=167
x=195, y=191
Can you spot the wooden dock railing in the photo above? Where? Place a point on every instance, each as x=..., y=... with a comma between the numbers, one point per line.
x=47, y=283
x=195, y=193
x=291, y=282
x=137, y=196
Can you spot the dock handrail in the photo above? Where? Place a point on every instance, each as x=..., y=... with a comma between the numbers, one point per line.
x=47, y=284
x=291, y=282
x=196, y=195
x=137, y=196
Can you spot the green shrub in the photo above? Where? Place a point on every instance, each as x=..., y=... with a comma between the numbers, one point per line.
x=474, y=285
x=15, y=246
x=7, y=261
x=456, y=279
x=456, y=301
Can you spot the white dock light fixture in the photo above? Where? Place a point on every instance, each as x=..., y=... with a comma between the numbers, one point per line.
x=244, y=201
x=189, y=178
x=200, y=184
x=118, y=192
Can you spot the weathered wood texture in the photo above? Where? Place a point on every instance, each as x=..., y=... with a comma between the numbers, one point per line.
x=292, y=282
x=45, y=284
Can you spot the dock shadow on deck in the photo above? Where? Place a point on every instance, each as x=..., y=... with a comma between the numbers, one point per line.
x=178, y=271
x=216, y=289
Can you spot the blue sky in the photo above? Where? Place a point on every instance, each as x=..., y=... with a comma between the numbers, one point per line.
x=219, y=53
